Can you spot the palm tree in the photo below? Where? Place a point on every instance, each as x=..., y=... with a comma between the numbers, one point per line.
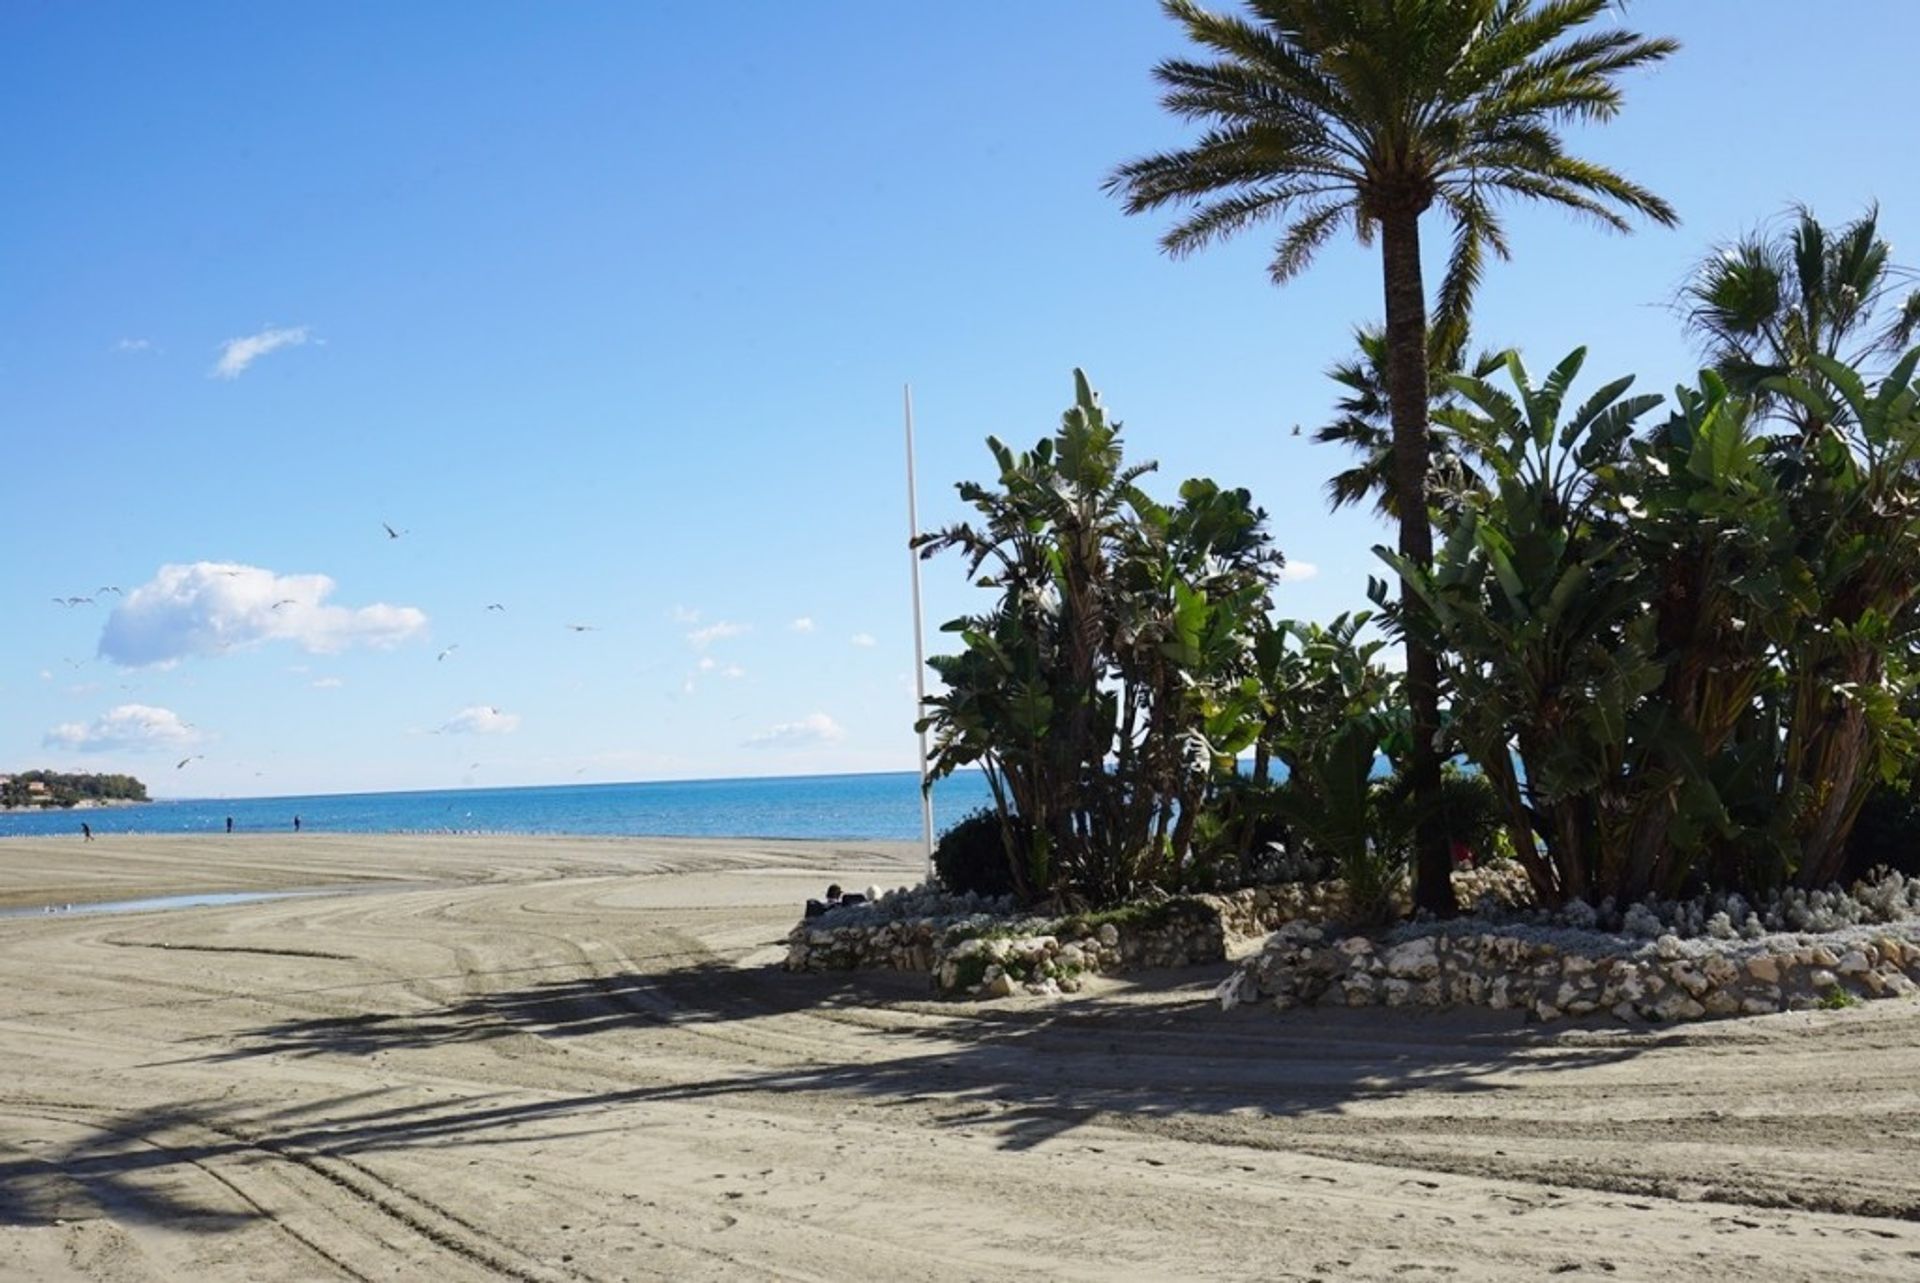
x=1767, y=304
x=1324, y=114
x=1364, y=423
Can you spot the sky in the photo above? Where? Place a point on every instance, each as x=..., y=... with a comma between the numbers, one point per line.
x=606, y=309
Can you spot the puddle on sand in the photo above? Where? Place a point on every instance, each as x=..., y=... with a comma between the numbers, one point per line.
x=202, y=900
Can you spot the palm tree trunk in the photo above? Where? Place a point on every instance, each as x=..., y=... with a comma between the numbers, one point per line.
x=1408, y=401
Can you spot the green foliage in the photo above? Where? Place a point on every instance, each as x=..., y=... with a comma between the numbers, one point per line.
x=1330, y=711
x=1110, y=684
x=1699, y=643
x=972, y=856
x=1322, y=117
x=1769, y=303
x=67, y=789
x=1886, y=834
x=1362, y=421
x=1837, y=999
x=970, y=971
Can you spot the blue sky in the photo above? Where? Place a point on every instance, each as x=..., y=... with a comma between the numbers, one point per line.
x=607, y=307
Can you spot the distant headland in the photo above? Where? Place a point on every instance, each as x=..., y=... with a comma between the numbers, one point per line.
x=43, y=790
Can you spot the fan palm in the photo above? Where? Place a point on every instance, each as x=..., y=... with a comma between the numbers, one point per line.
x=1365, y=424
x=1324, y=114
x=1769, y=303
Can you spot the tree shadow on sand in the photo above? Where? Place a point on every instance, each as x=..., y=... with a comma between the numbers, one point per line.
x=1155, y=1047
x=1153, y=1054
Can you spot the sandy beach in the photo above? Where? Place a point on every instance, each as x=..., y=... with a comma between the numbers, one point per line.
x=558, y=1059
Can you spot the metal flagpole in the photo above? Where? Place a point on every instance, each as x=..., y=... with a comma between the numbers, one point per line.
x=919, y=640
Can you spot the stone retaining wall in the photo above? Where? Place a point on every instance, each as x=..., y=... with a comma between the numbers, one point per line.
x=971, y=953
x=1557, y=973
x=986, y=956
x=1256, y=911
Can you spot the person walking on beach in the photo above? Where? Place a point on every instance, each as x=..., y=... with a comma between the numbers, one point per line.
x=229, y=824
x=296, y=824
x=86, y=831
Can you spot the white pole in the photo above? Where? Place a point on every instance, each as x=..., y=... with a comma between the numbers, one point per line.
x=919, y=640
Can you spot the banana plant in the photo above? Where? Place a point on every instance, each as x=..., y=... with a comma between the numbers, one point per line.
x=1110, y=685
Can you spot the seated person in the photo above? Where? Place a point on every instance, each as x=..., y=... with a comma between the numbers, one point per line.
x=834, y=900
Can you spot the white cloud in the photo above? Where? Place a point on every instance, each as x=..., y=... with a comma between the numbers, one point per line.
x=684, y=615
x=130, y=726
x=327, y=683
x=719, y=630
x=804, y=624
x=816, y=729
x=481, y=719
x=134, y=345
x=46, y=674
x=707, y=664
x=211, y=607
x=1295, y=572
x=733, y=670
x=864, y=640
x=237, y=354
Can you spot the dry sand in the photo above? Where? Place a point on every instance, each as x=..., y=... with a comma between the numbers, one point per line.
x=578, y=1059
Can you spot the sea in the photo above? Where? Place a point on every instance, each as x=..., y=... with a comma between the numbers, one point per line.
x=873, y=807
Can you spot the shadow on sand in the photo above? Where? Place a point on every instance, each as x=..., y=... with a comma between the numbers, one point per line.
x=1156, y=1048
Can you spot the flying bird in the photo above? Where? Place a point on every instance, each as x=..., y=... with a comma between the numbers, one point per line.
x=448, y=651
x=286, y=601
x=583, y=628
x=1296, y=429
x=496, y=606
x=181, y=764
x=391, y=532
x=109, y=588
x=231, y=574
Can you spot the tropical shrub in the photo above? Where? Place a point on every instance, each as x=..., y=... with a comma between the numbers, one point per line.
x=1681, y=655
x=972, y=856
x=1109, y=685
x=1886, y=834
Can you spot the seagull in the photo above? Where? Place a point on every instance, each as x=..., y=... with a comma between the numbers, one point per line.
x=231, y=574
x=448, y=651
x=1296, y=429
x=391, y=532
x=109, y=588
x=496, y=606
x=286, y=601
x=583, y=628
x=79, y=601
x=183, y=761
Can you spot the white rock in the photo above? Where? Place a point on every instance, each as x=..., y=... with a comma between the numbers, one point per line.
x=1853, y=963
x=1413, y=960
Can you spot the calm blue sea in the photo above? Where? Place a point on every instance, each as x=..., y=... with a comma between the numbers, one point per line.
x=861, y=807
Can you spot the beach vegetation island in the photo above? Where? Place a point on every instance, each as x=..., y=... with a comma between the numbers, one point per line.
x=39, y=789
x=1662, y=653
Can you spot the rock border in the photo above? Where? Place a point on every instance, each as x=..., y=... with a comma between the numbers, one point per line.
x=1551, y=974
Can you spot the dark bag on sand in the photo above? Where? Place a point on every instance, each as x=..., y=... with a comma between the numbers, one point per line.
x=815, y=908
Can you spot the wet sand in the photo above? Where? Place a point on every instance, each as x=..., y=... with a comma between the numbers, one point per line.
x=571, y=1058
